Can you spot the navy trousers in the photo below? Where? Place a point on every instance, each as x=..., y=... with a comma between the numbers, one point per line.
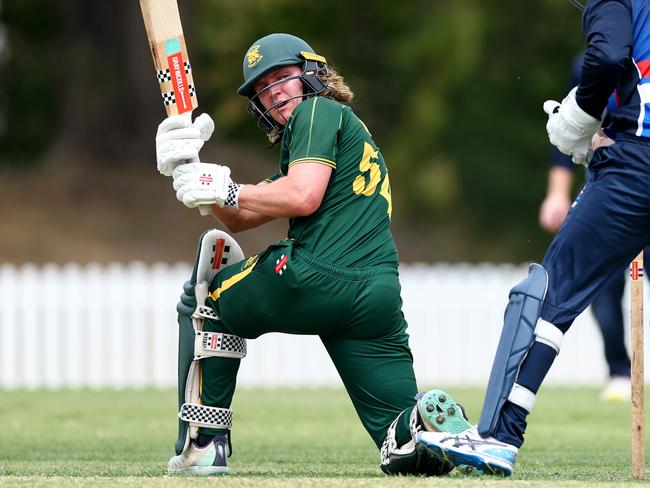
x=607, y=226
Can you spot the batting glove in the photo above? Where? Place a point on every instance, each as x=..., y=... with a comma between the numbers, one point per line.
x=199, y=184
x=178, y=140
x=570, y=128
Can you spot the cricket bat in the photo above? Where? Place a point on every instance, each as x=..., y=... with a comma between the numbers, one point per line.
x=170, y=59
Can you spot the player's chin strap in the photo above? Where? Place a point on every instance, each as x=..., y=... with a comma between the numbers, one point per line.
x=216, y=250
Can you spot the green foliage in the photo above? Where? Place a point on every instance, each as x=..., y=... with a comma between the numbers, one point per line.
x=451, y=90
x=28, y=100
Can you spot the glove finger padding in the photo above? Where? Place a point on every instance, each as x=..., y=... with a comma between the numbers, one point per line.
x=180, y=134
x=182, y=180
x=202, y=184
x=175, y=122
x=551, y=106
x=178, y=140
x=186, y=169
x=173, y=153
x=205, y=125
x=569, y=127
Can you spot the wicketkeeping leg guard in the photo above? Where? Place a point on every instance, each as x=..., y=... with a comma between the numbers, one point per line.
x=522, y=326
x=215, y=251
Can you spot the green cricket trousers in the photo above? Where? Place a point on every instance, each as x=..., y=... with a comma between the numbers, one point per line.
x=357, y=313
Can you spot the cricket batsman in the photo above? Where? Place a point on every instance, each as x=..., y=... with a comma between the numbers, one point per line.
x=606, y=227
x=335, y=275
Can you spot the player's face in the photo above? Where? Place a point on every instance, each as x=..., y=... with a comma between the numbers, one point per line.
x=281, y=90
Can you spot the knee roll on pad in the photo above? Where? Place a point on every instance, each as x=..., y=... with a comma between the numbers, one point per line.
x=522, y=326
x=216, y=250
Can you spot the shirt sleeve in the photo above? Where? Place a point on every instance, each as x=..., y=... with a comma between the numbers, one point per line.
x=559, y=159
x=272, y=178
x=314, y=132
x=608, y=28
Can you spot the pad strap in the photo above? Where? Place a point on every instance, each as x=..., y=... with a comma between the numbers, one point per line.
x=547, y=333
x=208, y=344
x=205, y=313
x=523, y=397
x=204, y=416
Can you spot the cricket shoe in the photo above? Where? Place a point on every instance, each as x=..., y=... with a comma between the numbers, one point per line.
x=208, y=460
x=435, y=410
x=618, y=390
x=468, y=448
x=440, y=413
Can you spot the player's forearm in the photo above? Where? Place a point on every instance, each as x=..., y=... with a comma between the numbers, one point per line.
x=560, y=181
x=238, y=219
x=283, y=198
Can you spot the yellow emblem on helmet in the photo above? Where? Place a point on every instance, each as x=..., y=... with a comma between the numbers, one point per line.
x=253, y=55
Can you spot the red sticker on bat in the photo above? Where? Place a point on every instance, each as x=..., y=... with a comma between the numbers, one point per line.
x=179, y=82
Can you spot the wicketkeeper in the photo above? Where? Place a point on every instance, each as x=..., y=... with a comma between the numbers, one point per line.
x=335, y=275
x=607, y=226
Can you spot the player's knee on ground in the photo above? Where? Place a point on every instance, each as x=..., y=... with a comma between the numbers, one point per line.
x=435, y=410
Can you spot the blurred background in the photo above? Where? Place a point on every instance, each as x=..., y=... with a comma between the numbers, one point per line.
x=451, y=90
x=94, y=244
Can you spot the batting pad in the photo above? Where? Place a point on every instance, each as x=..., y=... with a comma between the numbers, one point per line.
x=209, y=344
x=518, y=334
x=216, y=250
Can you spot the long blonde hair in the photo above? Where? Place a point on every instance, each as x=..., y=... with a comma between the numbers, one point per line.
x=336, y=89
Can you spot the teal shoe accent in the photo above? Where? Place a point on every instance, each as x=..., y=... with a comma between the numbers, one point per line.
x=440, y=413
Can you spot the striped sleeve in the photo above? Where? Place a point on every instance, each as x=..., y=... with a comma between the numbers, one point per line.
x=272, y=178
x=314, y=132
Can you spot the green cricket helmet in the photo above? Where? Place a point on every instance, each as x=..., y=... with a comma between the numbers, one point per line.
x=272, y=52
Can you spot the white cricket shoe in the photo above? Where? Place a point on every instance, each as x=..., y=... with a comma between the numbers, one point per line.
x=618, y=390
x=468, y=448
x=208, y=460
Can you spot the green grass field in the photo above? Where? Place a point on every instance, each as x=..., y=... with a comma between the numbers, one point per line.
x=285, y=438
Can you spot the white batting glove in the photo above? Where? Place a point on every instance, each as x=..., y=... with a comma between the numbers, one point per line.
x=199, y=184
x=178, y=140
x=570, y=128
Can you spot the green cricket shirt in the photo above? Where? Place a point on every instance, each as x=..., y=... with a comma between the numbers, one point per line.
x=351, y=228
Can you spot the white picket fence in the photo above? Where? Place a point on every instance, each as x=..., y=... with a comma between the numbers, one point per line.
x=115, y=326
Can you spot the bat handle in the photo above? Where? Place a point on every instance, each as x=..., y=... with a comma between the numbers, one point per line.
x=205, y=210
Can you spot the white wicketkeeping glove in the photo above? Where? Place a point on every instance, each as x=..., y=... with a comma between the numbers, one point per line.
x=205, y=184
x=178, y=140
x=570, y=128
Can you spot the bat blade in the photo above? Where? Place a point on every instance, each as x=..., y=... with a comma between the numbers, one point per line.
x=167, y=44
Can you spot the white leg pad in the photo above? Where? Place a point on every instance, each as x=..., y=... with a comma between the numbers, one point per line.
x=217, y=250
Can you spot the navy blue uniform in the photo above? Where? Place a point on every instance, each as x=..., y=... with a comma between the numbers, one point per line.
x=607, y=306
x=609, y=222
